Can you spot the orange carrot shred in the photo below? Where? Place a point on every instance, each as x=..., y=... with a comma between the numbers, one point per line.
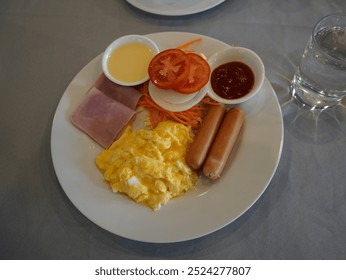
x=188, y=44
x=191, y=117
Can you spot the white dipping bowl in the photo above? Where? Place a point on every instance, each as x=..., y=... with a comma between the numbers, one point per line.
x=119, y=42
x=245, y=56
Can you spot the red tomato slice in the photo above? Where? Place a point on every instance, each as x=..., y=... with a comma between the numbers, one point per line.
x=198, y=75
x=169, y=68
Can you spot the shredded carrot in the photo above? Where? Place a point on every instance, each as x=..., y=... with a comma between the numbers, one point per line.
x=188, y=44
x=191, y=117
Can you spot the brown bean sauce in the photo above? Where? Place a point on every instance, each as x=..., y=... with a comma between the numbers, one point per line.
x=232, y=80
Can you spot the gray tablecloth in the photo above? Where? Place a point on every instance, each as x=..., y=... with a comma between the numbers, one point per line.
x=44, y=44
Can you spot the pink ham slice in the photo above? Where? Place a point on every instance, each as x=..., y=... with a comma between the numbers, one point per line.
x=102, y=117
x=128, y=96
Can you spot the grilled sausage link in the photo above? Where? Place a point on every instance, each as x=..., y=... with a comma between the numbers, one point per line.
x=199, y=148
x=224, y=143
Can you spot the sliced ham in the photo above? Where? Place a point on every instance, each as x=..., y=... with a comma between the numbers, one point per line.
x=103, y=117
x=128, y=96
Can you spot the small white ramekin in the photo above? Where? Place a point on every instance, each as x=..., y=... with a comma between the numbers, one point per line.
x=121, y=41
x=245, y=56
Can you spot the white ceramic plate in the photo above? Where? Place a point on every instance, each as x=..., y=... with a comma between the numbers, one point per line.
x=174, y=7
x=209, y=207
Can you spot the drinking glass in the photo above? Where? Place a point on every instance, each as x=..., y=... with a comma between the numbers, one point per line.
x=320, y=80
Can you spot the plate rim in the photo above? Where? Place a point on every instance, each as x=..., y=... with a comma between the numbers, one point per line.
x=177, y=12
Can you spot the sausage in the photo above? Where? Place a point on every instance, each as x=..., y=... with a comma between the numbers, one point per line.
x=224, y=143
x=199, y=148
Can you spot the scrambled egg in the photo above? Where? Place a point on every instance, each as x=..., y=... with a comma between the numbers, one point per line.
x=149, y=165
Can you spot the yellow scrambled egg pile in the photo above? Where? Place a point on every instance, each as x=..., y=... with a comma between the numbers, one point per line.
x=149, y=165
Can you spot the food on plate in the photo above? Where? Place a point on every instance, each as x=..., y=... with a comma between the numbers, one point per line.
x=149, y=165
x=169, y=68
x=106, y=110
x=198, y=75
x=129, y=96
x=101, y=117
x=191, y=117
x=129, y=62
x=232, y=80
x=175, y=69
x=197, y=151
x=154, y=163
x=223, y=143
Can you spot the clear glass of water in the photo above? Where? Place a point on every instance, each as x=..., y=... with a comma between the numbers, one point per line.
x=320, y=80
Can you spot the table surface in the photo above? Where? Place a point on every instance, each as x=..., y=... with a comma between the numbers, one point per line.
x=44, y=44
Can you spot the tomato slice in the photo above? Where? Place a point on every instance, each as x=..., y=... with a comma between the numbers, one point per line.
x=198, y=77
x=169, y=68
